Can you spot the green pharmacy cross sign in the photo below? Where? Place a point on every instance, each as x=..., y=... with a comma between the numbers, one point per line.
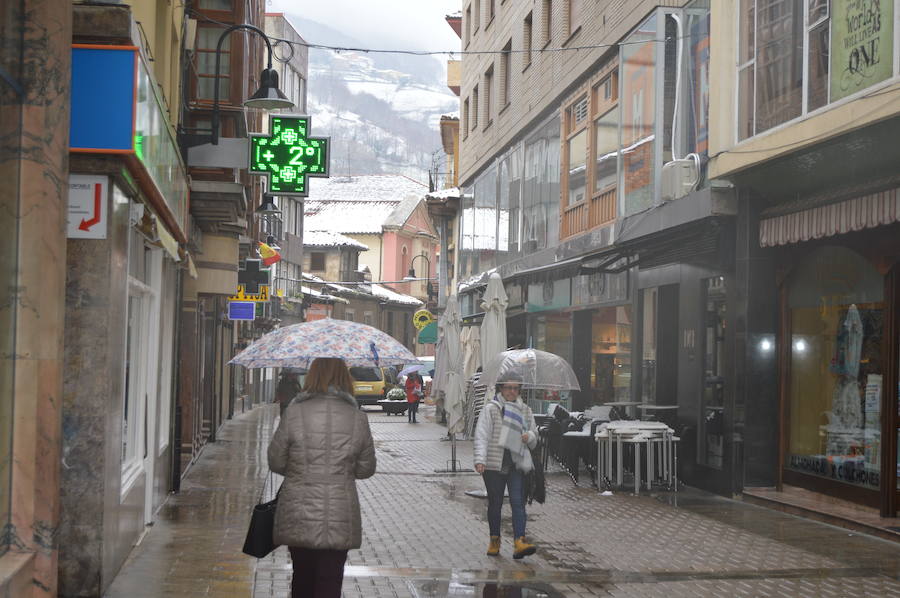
x=288, y=155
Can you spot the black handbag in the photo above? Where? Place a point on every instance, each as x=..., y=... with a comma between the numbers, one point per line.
x=260, y=535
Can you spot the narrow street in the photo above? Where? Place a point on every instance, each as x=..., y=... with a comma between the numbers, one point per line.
x=424, y=536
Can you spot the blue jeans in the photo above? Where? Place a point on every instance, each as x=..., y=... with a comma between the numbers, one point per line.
x=495, y=483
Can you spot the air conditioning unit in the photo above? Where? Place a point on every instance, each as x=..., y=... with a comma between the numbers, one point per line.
x=679, y=178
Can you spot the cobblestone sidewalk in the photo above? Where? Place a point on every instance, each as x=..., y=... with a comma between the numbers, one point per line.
x=425, y=536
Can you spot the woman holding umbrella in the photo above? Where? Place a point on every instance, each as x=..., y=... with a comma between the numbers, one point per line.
x=322, y=446
x=503, y=438
x=414, y=392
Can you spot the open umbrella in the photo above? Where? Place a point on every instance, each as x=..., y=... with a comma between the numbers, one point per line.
x=531, y=368
x=416, y=367
x=493, y=327
x=298, y=345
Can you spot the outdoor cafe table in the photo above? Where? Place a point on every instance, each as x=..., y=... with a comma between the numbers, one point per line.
x=612, y=437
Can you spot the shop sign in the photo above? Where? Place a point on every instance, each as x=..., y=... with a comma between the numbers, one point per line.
x=288, y=155
x=514, y=295
x=102, y=99
x=862, y=41
x=849, y=469
x=428, y=334
x=549, y=295
x=601, y=287
x=422, y=318
x=87, y=207
x=241, y=310
x=253, y=282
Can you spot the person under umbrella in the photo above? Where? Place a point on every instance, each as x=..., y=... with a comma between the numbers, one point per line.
x=414, y=392
x=323, y=444
x=504, y=437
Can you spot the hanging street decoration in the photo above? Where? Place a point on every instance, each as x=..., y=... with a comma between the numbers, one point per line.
x=288, y=155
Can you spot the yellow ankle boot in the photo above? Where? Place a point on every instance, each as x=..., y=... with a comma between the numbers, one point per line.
x=523, y=548
x=494, y=546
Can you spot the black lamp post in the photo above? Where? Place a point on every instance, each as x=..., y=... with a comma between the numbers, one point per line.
x=412, y=274
x=268, y=96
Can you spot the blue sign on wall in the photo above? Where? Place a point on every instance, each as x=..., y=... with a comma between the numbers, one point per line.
x=241, y=310
x=103, y=98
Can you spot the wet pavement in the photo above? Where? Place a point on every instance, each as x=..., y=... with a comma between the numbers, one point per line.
x=424, y=536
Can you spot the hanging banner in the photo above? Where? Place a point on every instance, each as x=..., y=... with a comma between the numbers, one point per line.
x=862, y=42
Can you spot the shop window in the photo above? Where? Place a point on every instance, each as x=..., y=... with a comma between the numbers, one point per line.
x=484, y=229
x=711, y=438
x=793, y=57
x=836, y=318
x=611, y=329
x=649, y=345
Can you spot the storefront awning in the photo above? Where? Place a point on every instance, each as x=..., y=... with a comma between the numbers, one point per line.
x=868, y=211
x=688, y=243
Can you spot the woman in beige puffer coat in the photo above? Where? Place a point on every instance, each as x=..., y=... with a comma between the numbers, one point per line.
x=322, y=446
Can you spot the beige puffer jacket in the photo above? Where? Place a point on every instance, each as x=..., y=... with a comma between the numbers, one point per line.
x=322, y=446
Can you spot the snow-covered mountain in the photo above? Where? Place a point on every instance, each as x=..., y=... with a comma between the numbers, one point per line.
x=381, y=110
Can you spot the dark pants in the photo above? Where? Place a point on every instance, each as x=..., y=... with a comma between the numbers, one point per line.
x=496, y=483
x=412, y=410
x=317, y=573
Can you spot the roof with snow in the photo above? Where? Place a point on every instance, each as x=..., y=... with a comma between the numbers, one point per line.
x=361, y=204
x=347, y=217
x=387, y=294
x=370, y=187
x=449, y=193
x=326, y=238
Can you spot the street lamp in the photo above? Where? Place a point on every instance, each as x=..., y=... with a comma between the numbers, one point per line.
x=411, y=277
x=268, y=96
x=268, y=214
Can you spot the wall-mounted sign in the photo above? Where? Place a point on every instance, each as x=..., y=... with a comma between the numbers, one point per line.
x=109, y=73
x=549, y=295
x=87, y=207
x=428, y=334
x=241, y=310
x=422, y=318
x=862, y=42
x=288, y=155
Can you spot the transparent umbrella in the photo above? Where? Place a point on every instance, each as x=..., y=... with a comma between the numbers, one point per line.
x=531, y=368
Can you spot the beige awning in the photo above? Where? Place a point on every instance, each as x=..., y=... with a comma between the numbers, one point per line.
x=868, y=211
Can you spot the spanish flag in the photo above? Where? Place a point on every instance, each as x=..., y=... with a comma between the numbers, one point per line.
x=269, y=256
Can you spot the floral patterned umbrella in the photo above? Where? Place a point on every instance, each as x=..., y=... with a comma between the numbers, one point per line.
x=297, y=346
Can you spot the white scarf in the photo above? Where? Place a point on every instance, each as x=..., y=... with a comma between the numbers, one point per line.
x=511, y=429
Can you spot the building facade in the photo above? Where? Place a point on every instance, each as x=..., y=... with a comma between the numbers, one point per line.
x=806, y=117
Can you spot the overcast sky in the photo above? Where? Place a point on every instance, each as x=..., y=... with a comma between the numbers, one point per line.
x=382, y=24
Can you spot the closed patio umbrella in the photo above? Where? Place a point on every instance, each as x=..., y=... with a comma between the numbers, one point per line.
x=493, y=327
x=470, y=338
x=454, y=388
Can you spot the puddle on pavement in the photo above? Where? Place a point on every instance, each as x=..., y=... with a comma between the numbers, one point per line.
x=435, y=588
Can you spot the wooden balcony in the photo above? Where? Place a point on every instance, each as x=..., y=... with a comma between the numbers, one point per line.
x=585, y=215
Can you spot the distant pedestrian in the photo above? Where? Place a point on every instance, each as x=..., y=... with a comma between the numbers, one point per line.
x=503, y=438
x=321, y=447
x=288, y=388
x=415, y=390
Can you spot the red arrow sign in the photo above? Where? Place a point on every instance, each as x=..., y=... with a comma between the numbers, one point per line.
x=87, y=224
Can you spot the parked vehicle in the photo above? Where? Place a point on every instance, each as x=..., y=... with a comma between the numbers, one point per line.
x=371, y=384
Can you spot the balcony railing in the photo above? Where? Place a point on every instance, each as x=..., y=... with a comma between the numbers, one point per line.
x=583, y=216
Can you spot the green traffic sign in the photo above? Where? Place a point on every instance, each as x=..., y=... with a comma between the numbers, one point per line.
x=288, y=155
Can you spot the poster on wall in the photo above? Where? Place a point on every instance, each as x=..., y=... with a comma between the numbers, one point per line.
x=87, y=207
x=862, y=42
